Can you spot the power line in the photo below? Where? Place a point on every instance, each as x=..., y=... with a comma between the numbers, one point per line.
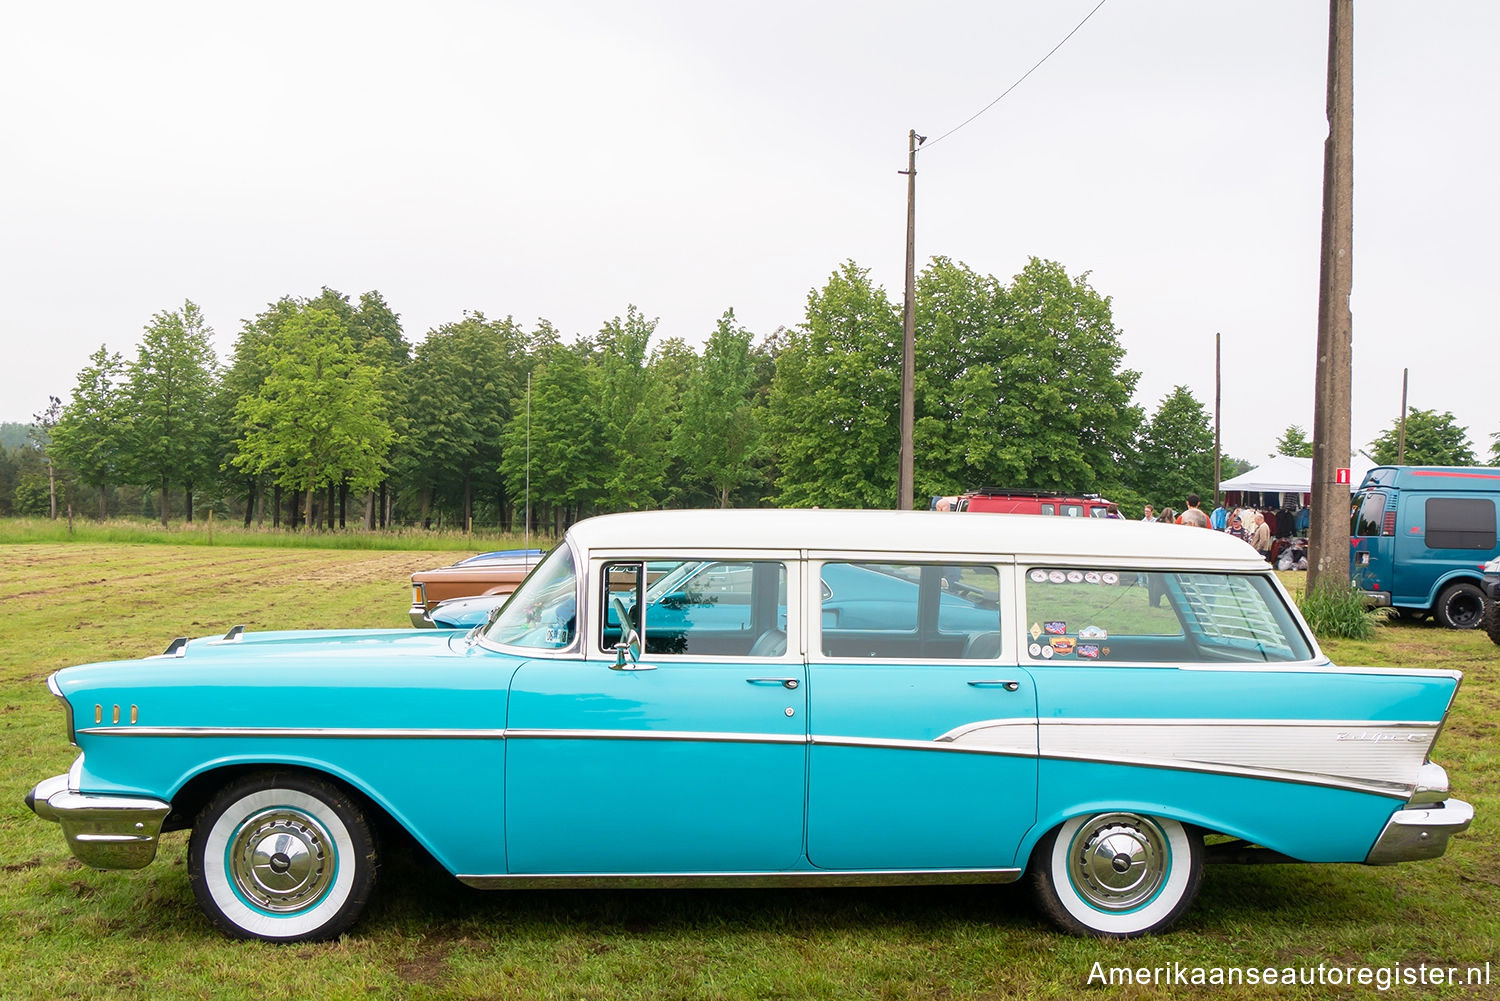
x=1018, y=83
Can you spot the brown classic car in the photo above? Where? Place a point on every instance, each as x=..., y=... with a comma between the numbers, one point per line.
x=491, y=575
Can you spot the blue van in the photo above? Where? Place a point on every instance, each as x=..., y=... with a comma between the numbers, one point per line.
x=1420, y=537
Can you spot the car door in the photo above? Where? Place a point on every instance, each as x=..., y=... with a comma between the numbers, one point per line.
x=923, y=752
x=690, y=757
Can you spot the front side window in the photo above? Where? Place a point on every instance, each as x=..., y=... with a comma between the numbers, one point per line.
x=697, y=608
x=910, y=611
x=1126, y=616
x=543, y=613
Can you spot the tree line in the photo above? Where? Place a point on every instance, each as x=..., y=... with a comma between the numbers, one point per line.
x=325, y=414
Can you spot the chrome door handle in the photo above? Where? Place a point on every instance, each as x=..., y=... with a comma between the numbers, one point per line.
x=1009, y=686
x=783, y=682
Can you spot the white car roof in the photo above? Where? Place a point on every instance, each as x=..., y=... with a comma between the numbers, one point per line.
x=1034, y=537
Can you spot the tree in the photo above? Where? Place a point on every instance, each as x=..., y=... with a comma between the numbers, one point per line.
x=461, y=387
x=1019, y=385
x=552, y=453
x=1432, y=439
x=90, y=433
x=166, y=397
x=1176, y=451
x=1294, y=442
x=319, y=416
x=719, y=437
x=632, y=420
x=835, y=398
x=1495, y=448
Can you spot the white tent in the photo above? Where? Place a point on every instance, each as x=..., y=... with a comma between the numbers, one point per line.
x=1287, y=474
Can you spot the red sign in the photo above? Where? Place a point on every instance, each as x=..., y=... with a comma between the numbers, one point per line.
x=1341, y=476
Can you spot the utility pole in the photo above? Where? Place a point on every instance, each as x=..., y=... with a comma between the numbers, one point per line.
x=1401, y=439
x=1328, y=537
x=1217, y=450
x=906, y=476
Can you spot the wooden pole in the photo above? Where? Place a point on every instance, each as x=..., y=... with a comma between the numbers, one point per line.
x=1328, y=536
x=906, y=474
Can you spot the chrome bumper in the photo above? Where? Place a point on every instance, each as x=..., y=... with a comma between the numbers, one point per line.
x=1420, y=832
x=1377, y=599
x=105, y=832
x=418, y=616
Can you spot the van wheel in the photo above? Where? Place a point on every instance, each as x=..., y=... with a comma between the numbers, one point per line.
x=1117, y=874
x=1460, y=606
x=282, y=856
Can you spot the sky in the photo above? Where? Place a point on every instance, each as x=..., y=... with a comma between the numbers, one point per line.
x=565, y=160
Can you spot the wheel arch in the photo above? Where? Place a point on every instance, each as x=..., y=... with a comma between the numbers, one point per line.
x=203, y=784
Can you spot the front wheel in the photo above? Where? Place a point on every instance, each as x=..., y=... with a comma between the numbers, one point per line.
x=282, y=856
x=1460, y=606
x=1117, y=874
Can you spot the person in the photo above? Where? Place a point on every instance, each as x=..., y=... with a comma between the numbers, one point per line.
x=1235, y=528
x=1219, y=520
x=1194, y=514
x=1260, y=537
x=1150, y=513
x=1112, y=510
x=1168, y=517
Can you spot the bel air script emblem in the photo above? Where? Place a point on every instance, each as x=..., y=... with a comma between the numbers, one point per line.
x=1379, y=736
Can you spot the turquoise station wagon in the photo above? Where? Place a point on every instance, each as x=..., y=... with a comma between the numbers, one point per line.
x=776, y=698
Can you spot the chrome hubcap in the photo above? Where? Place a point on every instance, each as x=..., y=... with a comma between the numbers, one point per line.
x=281, y=860
x=1118, y=861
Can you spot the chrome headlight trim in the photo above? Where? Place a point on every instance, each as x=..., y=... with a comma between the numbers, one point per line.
x=56, y=691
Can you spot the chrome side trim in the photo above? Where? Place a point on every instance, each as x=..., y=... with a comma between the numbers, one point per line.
x=1320, y=667
x=352, y=733
x=730, y=880
x=1382, y=758
x=1416, y=834
x=688, y=735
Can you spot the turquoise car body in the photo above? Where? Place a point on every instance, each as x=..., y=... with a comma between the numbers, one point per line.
x=575, y=756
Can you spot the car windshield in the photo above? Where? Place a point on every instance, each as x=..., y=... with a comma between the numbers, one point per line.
x=543, y=613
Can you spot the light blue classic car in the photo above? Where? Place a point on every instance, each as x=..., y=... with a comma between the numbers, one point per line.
x=747, y=698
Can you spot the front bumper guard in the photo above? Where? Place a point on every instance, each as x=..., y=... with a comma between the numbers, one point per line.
x=1420, y=832
x=105, y=832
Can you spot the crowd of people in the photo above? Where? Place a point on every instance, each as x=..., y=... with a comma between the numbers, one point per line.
x=1263, y=531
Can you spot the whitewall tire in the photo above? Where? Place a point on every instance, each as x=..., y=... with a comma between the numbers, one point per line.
x=1117, y=874
x=282, y=856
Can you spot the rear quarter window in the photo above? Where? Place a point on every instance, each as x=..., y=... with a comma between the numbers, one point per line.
x=1460, y=523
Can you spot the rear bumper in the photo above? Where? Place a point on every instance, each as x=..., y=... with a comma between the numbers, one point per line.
x=1420, y=832
x=105, y=832
x=1377, y=599
x=418, y=616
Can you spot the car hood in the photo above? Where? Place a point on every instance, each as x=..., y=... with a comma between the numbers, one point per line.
x=363, y=677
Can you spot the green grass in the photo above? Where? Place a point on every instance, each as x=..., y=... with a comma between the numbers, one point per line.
x=71, y=932
x=209, y=532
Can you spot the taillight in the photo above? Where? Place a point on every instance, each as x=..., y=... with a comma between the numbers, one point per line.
x=1388, y=527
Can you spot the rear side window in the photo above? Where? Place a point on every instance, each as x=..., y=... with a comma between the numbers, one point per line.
x=910, y=611
x=1460, y=523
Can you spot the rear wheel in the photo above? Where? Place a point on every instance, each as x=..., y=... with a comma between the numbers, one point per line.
x=1117, y=874
x=1460, y=606
x=282, y=856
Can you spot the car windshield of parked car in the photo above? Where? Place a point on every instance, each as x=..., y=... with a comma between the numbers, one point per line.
x=543, y=613
x=1118, y=616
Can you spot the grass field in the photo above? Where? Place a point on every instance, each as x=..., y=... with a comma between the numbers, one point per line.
x=70, y=932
